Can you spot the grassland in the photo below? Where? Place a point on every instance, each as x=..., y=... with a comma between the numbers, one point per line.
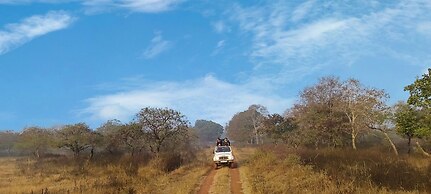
x=60, y=175
x=282, y=170
x=270, y=169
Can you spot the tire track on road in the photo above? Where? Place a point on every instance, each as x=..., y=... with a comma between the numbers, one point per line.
x=208, y=181
x=235, y=180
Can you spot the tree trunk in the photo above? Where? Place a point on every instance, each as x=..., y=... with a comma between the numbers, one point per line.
x=422, y=150
x=391, y=142
x=408, y=144
x=353, y=140
x=91, y=153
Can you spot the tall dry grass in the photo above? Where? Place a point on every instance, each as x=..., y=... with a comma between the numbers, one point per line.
x=282, y=170
x=59, y=174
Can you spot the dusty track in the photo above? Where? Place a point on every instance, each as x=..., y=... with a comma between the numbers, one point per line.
x=208, y=181
x=235, y=181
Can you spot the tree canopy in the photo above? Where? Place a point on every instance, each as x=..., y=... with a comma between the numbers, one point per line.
x=208, y=131
x=161, y=124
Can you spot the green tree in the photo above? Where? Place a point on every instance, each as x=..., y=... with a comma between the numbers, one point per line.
x=77, y=137
x=239, y=129
x=407, y=120
x=420, y=99
x=278, y=127
x=318, y=114
x=207, y=131
x=36, y=140
x=246, y=126
x=161, y=126
x=332, y=112
x=420, y=91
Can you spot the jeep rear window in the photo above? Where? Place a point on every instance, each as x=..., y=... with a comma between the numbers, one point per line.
x=223, y=149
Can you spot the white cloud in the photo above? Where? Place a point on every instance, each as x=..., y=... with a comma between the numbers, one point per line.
x=205, y=98
x=96, y=6
x=331, y=33
x=145, y=6
x=16, y=34
x=157, y=46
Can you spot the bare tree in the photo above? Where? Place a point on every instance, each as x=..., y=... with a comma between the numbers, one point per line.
x=360, y=104
x=131, y=137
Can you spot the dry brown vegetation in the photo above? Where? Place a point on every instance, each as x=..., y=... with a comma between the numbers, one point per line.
x=62, y=175
x=282, y=170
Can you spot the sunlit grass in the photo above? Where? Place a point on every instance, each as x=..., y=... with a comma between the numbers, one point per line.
x=21, y=175
x=275, y=170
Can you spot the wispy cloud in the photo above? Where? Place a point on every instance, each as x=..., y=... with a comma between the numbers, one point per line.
x=145, y=6
x=156, y=47
x=96, y=6
x=220, y=27
x=302, y=10
x=33, y=1
x=16, y=34
x=205, y=98
x=333, y=33
x=220, y=45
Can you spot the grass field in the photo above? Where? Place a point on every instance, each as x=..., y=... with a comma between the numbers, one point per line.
x=271, y=169
x=282, y=170
x=23, y=175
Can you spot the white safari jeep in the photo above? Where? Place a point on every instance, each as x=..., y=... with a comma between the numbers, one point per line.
x=223, y=156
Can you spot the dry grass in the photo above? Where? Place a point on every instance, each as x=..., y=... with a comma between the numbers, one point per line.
x=242, y=155
x=281, y=170
x=62, y=175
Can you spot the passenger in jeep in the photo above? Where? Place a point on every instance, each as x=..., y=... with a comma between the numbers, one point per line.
x=219, y=142
x=226, y=142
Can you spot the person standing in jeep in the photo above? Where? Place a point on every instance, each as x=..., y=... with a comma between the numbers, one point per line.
x=226, y=142
x=219, y=142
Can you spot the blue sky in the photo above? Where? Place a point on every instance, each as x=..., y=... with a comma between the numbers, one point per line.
x=69, y=61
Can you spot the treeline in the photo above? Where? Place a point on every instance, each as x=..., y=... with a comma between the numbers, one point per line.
x=336, y=113
x=153, y=132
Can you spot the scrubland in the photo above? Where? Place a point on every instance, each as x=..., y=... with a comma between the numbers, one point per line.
x=282, y=170
x=266, y=169
x=60, y=174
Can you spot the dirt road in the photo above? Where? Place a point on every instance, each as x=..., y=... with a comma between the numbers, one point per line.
x=235, y=182
x=209, y=181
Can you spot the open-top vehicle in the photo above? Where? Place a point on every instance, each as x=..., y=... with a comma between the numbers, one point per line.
x=223, y=156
